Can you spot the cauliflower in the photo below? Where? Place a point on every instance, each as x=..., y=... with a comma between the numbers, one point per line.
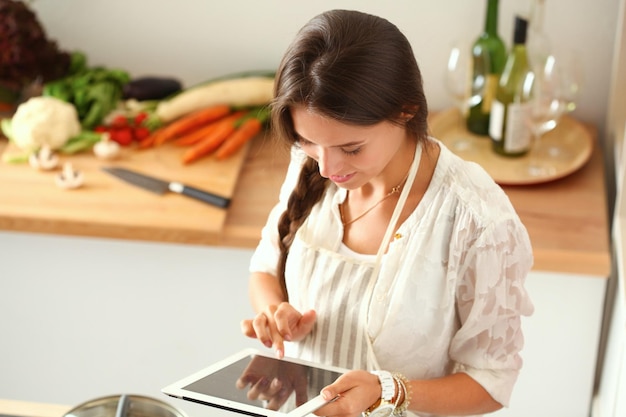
x=43, y=121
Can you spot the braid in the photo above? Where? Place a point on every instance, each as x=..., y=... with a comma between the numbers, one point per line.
x=308, y=191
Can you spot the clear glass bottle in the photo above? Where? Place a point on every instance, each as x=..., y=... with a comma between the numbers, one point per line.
x=490, y=44
x=508, y=129
x=538, y=43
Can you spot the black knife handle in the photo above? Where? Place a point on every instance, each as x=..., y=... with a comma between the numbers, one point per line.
x=205, y=196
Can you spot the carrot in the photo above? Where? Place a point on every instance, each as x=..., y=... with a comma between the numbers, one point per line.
x=146, y=142
x=248, y=129
x=189, y=122
x=195, y=136
x=208, y=144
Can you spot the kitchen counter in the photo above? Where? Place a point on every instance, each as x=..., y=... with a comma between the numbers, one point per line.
x=106, y=207
x=567, y=219
x=31, y=409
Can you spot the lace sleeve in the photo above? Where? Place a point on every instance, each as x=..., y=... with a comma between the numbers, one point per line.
x=490, y=302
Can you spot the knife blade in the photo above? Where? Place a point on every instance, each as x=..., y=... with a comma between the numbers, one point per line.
x=159, y=186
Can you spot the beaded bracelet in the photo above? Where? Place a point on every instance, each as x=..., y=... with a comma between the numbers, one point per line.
x=404, y=385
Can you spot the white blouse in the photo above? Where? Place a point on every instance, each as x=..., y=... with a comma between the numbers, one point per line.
x=450, y=293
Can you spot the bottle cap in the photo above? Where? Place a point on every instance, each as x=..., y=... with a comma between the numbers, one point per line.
x=519, y=34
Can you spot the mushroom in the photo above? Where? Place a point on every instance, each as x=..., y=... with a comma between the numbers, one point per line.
x=44, y=159
x=69, y=178
x=106, y=148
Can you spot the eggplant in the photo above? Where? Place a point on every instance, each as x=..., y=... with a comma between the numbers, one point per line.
x=151, y=88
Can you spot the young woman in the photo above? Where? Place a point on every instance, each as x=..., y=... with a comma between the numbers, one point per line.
x=386, y=251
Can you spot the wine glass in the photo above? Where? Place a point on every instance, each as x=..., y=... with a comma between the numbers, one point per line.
x=570, y=69
x=542, y=91
x=465, y=80
x=562, y=72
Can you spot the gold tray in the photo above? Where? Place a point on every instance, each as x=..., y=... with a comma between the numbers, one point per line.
x=569, y=136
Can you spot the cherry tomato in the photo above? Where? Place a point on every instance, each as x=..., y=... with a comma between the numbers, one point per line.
x=139, y=118
x=123, y=136
x=141, y=133
x=119, y=121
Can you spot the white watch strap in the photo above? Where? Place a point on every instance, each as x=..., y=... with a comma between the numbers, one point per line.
x=387, y=384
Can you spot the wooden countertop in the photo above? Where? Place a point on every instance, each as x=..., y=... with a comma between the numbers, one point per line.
x=567, y=219
x=31, y=409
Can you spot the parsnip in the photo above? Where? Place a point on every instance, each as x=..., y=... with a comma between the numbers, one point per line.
x=245, y=91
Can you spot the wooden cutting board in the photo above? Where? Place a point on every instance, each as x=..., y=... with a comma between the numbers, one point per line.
x=29, y=194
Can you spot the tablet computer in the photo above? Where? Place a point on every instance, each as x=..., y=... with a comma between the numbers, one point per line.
x=254, y=383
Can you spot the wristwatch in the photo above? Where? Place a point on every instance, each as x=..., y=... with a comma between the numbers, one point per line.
x=385, y=406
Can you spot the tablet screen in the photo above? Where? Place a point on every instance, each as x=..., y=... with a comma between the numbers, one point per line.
x=256, y=381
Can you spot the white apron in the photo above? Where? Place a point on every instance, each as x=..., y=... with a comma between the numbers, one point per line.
x=340, y=289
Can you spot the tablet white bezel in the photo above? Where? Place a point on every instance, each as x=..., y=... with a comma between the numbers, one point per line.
x=177, y=389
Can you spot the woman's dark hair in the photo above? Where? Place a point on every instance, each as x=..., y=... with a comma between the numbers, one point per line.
x=349, y=66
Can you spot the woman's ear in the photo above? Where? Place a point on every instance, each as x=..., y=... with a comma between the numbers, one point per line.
x=408, y=112
x=405, y=117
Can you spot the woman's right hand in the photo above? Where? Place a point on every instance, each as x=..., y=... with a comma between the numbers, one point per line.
x=279, y=323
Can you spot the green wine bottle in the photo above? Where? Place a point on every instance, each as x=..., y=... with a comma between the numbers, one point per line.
x=488, y=44
x=508, y=128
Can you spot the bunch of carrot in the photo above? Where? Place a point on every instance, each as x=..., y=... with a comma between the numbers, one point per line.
x=217, y=130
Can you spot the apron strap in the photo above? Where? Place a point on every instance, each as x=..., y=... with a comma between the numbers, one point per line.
x=372, y=362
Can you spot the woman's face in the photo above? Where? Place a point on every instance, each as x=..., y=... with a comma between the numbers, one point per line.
x=348, y=155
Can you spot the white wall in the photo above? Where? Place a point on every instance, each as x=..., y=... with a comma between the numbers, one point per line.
x=199, y=39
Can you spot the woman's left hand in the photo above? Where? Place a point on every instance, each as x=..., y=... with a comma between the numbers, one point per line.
x=356, y=392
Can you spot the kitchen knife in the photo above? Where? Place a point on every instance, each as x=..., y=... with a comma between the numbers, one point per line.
x=160, y=186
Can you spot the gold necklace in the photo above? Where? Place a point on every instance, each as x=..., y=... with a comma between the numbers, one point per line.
x=393, y=191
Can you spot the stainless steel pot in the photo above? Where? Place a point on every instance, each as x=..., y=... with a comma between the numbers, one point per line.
x=125, y=406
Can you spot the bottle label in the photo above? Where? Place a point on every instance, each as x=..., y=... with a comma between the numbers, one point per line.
x=496, y=120
x=491, y=86
x=517, y=133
